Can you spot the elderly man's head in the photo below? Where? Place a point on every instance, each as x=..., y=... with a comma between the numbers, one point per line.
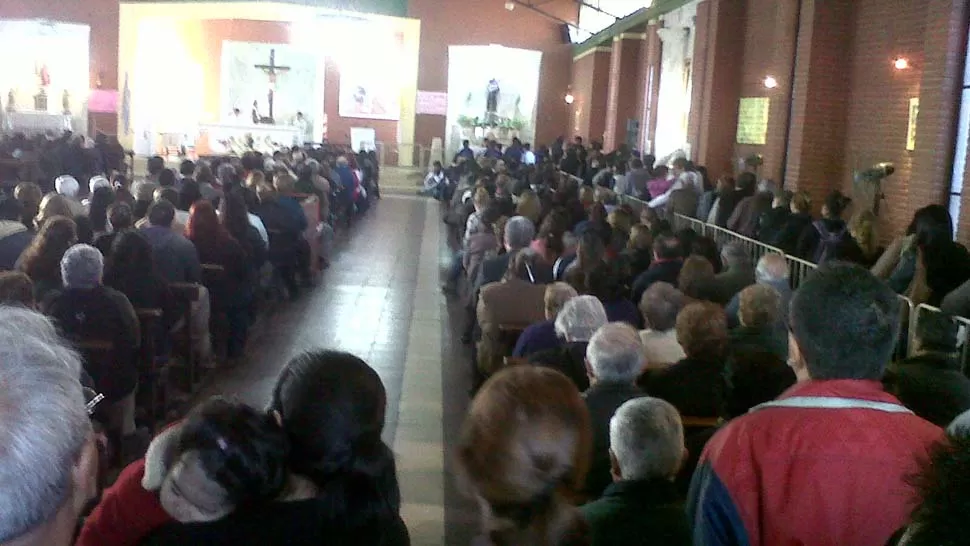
x=519, y=232
x=660, y=305
x=771, y=268
x=67, y=186
x=615, y=354
x=82, y=267
x=580, y=318
x=735, y=256
x=557, y=294
x=646, y=440
x=48, y=465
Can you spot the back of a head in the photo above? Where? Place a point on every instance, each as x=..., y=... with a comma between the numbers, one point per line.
x=519, y=232
x=43, y=426
x=188, y=194
x=735, y=255
x=942, y=499
x=161, y=213
x=647, y=439
x=747, y=182
x=759, y=306
x=556, y=296
x=166, y=178
x=801, y=202
x=696, y=277
x=836, y=203
x=615, y=354
x=527, y=470
x=82, y=267
x=187, y=167
x=702, y=331
x=16, y=289
x=155, y=165
x=580, y=318
x=933, y=226
x=66, y=185
x=604, y=282
x=667, y=247
x=660, y=305
x=332, y=405
x=772, y=267
x=240, y=449
x=119, y=214
x=845, y=322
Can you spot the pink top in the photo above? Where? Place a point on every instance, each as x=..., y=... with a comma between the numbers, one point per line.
x=658, y=187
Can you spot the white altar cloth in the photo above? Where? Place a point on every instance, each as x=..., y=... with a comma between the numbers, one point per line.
x=32, y=122
x=224, y=137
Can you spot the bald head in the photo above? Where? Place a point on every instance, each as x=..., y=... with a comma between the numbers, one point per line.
x=772, y=268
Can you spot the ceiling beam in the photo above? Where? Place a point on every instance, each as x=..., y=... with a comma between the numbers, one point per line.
x=639, y=17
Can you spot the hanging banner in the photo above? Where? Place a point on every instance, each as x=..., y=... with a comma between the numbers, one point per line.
x=432, y=103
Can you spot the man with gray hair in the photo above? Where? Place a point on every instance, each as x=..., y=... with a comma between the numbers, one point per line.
x=86, y=310
x=646, y=452
x=737, y=275
x=49, y=461
x=575, y=324
x=614, y=360
x=519, y=232
x=772, y=270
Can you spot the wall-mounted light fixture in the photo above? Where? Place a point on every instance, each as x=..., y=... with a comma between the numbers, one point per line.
x=510, y=6
x=569, y=98
x=770, y=82
x=901, y=63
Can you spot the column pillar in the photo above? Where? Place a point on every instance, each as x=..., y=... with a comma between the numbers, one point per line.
x=625, y=88
x=591, y=85
x=651, y=54
x=717, y=83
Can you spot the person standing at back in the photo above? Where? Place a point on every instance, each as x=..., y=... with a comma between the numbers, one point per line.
x=829, y=238
x=827, y=462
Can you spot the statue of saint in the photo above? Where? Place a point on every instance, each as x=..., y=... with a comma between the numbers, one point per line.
x=491, y=99
x=11, y=101
x=66, y=102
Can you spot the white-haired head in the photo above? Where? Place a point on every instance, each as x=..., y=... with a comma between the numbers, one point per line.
x=735, y=255
x=66, y=185
x=44, y=426
x=772, y=267
x=646, y=439
x=615, y=354
x=98, y=182
x=580, y=318
x=519, y=232
x=82, y=267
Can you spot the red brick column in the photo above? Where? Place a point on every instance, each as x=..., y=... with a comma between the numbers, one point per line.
x=591, y=83
x=939, y=105
x=717, y=82
x=816, y=149
x=626, y=88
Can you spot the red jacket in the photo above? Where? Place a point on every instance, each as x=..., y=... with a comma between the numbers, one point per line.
x=809, y=475
x=126, y=514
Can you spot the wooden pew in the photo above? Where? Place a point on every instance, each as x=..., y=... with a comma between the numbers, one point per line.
x=186, y=294
x=152, y=377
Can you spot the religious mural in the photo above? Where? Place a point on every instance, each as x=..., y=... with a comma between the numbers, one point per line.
x=370, y=80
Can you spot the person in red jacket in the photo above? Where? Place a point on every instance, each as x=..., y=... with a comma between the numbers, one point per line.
x=827, y=462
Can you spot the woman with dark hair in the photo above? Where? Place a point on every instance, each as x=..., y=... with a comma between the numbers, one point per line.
x=231, y=289
x=41, y=260
x=931, y=264
x=590, y=254
x=527, y=473
x=706, y=247
x=604, y=282
x=98, y=212
x=188, y=194
x=829, y=238
x=130, y=269
x=235, y=217
x=340, y=485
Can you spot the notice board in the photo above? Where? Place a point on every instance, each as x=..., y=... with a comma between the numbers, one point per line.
x=753, y=120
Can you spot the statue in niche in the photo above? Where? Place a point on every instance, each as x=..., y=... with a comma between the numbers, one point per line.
x=11, y=101
x=66, y=102
x=40, y=100
x=491, y=100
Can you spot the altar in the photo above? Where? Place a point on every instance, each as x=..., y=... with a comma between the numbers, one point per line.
x=36, y=123
x=228, y=138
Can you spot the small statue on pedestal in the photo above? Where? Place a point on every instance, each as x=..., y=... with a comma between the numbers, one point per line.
x=11, y=101
x=40, y=100
x=66, y=102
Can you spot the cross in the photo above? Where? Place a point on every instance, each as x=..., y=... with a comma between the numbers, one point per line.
x=271, y=70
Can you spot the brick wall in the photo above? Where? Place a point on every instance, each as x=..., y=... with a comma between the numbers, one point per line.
x=626, y=88
x=484, y=22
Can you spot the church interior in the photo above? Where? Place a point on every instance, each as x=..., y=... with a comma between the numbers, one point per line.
x=348, y=182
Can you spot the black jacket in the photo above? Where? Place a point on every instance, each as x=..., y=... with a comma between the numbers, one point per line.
x=570, y=359
x=667, y=271
x=931, y=385
x=772, y=223
x=14, y=238
x=602, y=401
x=788, y=236
x=695, y=387
x=638, y=512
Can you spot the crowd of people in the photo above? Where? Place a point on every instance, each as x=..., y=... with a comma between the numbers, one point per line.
x=651, y=385
x=659, y=387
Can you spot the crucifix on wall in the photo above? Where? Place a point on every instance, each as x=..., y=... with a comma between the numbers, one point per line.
x=272, y=70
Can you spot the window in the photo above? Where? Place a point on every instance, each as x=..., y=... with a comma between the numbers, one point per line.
x=596, y=15
x=960, y=153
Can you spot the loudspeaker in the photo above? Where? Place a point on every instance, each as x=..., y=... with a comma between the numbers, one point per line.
x=565, y=34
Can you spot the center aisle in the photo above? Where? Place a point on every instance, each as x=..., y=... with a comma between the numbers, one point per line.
x=381, y=301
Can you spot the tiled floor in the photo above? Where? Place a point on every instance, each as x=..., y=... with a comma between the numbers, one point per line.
x=380, y=300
